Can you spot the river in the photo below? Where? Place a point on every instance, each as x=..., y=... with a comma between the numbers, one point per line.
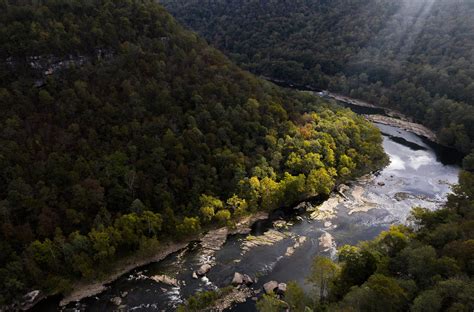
x=420, y=174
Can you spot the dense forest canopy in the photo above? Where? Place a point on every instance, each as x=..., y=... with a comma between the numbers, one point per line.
x=415, y=56
x=118, y=128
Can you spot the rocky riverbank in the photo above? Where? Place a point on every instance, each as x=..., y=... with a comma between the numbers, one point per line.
x=88, y=289
x=405, y=125
x=211, y=242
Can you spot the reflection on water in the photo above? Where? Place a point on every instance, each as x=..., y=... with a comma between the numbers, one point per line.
x=416, y=176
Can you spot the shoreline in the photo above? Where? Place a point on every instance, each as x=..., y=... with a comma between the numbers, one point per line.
x=412, y=127
x=82, y=290
x=394, y=118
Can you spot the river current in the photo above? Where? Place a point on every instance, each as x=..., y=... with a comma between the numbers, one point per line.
x=420, y=173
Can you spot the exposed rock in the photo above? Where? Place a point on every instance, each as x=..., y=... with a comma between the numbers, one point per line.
x=281, y=289
x=405, y=125
x=29, y=300
x=238, y=295
x=247, y=280
x=203, y=269
x=280, y=224
x=326, y=242
x=327, y=224
x=304, y=206
x=165, y=280
x=244, y=225
x=381, y=183
x=212, y=242
x=116, y=300
x=401, y=196
x=124, y=294
x=342, y=188
x=267, y=239
x=241, y=279
x=238, y=279
x=360, y=202
x=327, y=210
x=195, y=276
x=270, y=287
x=289, y=251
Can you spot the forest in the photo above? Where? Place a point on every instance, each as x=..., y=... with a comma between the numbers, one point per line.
x=120, y=130
x=412, y=56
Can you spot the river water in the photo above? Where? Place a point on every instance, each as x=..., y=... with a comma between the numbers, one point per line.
x=420, y=174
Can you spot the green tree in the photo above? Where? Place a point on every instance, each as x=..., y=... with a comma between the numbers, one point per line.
x=323, y=273
x=270, y=303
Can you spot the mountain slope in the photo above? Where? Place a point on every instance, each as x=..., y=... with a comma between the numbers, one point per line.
x=414, y=56
x=120, y=129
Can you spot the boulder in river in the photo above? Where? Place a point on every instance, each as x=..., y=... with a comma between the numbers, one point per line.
x=203, y=269
x=270, y=287
x=280, y=224
x=195, y=276
x=165, y=280
x=269, y=238
x=247, y=280
x=238, y=279
x=116, y=300
x=302, y=207
x=281, y=289
x=30, y=299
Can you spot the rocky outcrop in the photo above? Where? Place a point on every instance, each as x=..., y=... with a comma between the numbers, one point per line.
x=302, y=207
x=248, y=280
x=404, y=124
x=165, y=280
x=235, y=296
x=244, y=225
x=273, y=287
x=238, y=279
x=204, y=269
x=267, y=239
x=327, y=210
x=281, y=289
x=360, y=203
x=116, y=300
x=241, y=279
x=270, y=287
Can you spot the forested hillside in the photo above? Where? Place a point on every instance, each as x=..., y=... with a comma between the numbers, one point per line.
x=120, y=129
x=414, y=56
